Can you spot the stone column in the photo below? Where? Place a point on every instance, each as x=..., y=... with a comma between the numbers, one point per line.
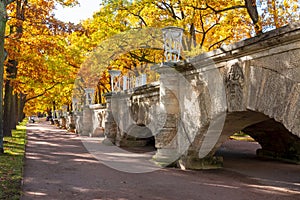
x=71, y=122
x=62, y=122
x=122, y=117
x=87, y=122
x=78, y=122
x=111, y=127
x=166, y=139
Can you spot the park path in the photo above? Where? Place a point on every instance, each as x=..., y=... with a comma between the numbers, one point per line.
x=57, y=166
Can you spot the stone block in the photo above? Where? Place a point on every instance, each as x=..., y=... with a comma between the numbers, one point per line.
x=166, y=157
x=98, y=132
x=195, y=163
x=166, y=138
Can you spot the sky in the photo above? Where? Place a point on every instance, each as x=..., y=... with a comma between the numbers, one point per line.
x=78, y=13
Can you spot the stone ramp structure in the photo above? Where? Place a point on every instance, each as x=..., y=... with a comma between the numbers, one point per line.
x=251, y=86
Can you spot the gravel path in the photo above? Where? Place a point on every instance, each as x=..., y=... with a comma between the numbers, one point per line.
x=58, y=166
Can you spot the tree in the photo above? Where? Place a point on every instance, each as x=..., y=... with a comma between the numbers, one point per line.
x=207, y=24
x=3, y=20
x=27, y=19
x=36, y=38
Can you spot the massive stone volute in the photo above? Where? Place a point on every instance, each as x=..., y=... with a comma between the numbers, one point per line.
x=253, y=85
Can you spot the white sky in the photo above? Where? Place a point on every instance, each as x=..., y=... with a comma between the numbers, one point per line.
x=75, y=14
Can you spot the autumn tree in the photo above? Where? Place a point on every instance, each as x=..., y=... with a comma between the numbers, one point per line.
x=3, y=20
x=275, y=14
x=29, y=42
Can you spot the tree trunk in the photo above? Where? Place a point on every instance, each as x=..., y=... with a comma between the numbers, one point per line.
x=253, y=13
x=54, y=108
x=14, y=115
x=13, y=108
x=21, y=104
x=7, y=109
x=9, y=115
x=3, y=19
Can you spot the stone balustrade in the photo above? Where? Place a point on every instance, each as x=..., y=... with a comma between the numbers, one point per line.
x=200, y=102
x=90, y=122
x=197, y=104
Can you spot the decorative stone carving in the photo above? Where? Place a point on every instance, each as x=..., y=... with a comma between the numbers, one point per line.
x=234, y=82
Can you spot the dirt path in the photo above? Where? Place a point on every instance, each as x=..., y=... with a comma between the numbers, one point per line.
x=58, y=166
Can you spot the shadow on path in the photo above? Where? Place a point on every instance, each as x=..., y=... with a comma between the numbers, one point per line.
x=58, y=166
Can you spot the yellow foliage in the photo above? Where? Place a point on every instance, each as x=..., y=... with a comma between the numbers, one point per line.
x=50, y=53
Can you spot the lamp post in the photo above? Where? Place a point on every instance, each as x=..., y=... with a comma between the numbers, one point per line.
x=113, y=74
x=172, y=43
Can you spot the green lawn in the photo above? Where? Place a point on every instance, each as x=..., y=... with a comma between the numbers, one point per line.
x=11, y=164
x=242, y=137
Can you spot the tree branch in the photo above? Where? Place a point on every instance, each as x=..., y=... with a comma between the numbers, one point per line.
x=217, y=43
x=140, y=58
x=136, y=15
x=218, y=11
x=168, y=8
x=46, y=90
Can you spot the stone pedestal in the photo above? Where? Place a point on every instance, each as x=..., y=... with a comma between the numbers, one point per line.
x=56, y=122
x=78, y=122
x=62, y=122
x=166, y=157
x=70, y=124
x=111, y=127
x=196, y=163
x=166, y=139
x=87, y=122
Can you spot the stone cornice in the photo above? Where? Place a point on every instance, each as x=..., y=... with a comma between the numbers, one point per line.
x=286, y=35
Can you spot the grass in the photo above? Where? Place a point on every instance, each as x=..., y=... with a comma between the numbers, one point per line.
x=240, y=136
x=11, y=164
